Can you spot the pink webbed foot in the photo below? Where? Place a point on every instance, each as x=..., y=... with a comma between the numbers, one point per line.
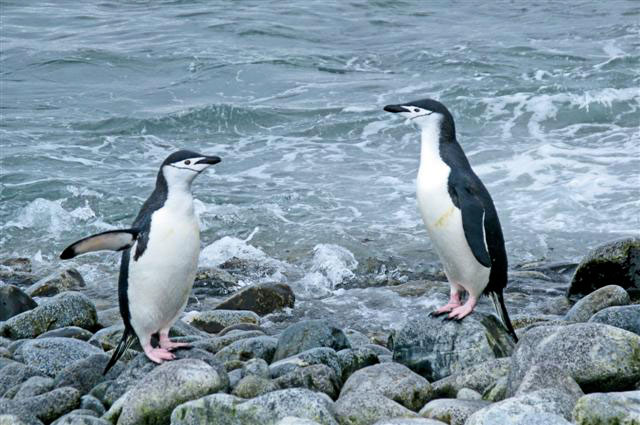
x=445, y=309
x=158, y=355
x=167, y=344
x=463, y=311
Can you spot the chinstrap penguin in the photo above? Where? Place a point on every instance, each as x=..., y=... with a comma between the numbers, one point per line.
x=160, y=257
x=458, y=213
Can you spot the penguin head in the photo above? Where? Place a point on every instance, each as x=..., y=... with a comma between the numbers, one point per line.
x=423, y=113
x=181, y=167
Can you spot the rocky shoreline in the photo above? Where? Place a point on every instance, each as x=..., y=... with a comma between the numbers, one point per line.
x=575, y=363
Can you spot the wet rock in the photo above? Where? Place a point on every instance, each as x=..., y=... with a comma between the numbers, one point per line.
x=362, y=408
x=267, y=409
x=89, y=402
x=598, y=357
x=51, y=355
x=355, y=338
x=608, y=409
x=109, y=317
x=17, y=271
x=435, y=348
x=66, y=309
x=67, y=280
x=14, y=374
x=19, y=264
x=309, y=334
x=607, y=296
x=68, y=332
x=14, y=301
x=77, y=417
x=318, y=355
x=623, y=317
x=34, y=386
x=316, y=377
x=451, y=410
x=214, y=282
x=392, y=380
x=615, y=262
x=546, y=375
x=257, y=367
x=241, y=327
x=478, y=377
x=262, y=298
x=261, y=347
x=352, y=359
x=169, y=385
x=409, y=421
x=253, y=386
x=87, y=373
x=214, y=321
x=468, y=394
x=46, y=407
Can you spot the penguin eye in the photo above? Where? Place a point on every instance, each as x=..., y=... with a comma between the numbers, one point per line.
x=416, y=110
x=187, y=162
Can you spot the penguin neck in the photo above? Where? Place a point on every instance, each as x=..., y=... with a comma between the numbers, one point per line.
x=177, y=195
x=430, y=143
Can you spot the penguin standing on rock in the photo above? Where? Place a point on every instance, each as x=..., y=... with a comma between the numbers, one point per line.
x=458, y=212
x=160, y=257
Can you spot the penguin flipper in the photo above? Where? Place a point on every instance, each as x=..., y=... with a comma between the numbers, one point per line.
x=113, y=240
x=473, y=215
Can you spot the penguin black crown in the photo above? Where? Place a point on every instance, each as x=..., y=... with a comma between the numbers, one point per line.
x=159, y=258
x=458, y=213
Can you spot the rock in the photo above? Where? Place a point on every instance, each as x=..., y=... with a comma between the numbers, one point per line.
x=66, y=309
x=69, y=279
x=292, y=420
x=48, y=406
x=253, y=386
x=511, y=410
x=14, y=301
x=362, y=408
x=316, y=377
x=468, y=394
x=108, y=338
x=17, y=420
x=109, y=317
x=241, y=327
x=89, y=402
x=77, y=418
x=213, y=321
x=451, y=410
x=355, y=338
x=68, y=332
x=608, y=409
x=393, y=380
x=497, y=391
x=378, y=349
x=597, y=357
x=261, y=347
x=546, y=375
x=87, y=373
x=319, y=355
x=181, y=328
x=263, y=298
x=34, y=386
x=435, y=348
x=167, y=386
x=529, y=418
x=235, y=376
x=409, y=421
x=308, y=334
x=16, y=271
x=623, y=317
x=613, y=262
x=215, y=344
x=14, y=374
x=214, y=282
x=52, y=355
x=264, y=410
x=352, y=359
x=478, y=377
x=257, y=367
x=606, y=296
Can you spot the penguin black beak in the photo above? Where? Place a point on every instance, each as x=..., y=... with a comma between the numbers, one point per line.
x=209, y=160
x=396, y=108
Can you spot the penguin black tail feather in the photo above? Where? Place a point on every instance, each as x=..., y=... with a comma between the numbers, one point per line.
x=128, y=338
x=501, y=309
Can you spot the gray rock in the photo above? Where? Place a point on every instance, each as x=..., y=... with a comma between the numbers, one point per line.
x=468, y=394
x=478, y=377
x=352, y=359
x=528, y=418
x=169, y=385
x=613, y=262
x=355, y=338
x=52, y=355
x=596, y=356
x=319, y=355
x=263, y=298
x=292, y=420
x=46, y=407
x=108, y=338
x=86, y=373
x=234, y=377
x=379, y=349
x=623, y=317
x=511, y=410
x=68, y=332
x=181, y=328
x=497, y=391
x=89, y=402
x=69, y=279
x=15, y=374
x=257, y=367
x=9, y=419
x=607, y=296
x=261, y=347
x=213, y=321
x=78, y=418
x=608, y=409
x=316, y=377
x=435, y=348
x=66, y=309
x=362, y=408
x=34, y=386
x=215, y=344
x=109, y=317
x=393, y=380
x=267, y=409
x=214, y=282
x=17, y=271
x=308, y=334
x=241, y=327
x=546, y=375
x=409, y=421
x=14, y=301
x=385, y=358
x=253, y=386
x=451, y=410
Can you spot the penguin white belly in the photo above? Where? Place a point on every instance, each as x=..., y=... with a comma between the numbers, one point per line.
x=444, y=225
x=160, y=281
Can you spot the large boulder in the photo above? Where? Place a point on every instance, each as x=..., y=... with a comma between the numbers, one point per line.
x=153, y=399
x=51, y=355
x=66, y=309
x=608, y=409
x=87, y=373
x=616, y=262
x=68, y=332
x=319, y=355
x=14, y=301
x=14, y=374
x=263, y=298
x=309, y=334
x=352, y=359
x=607, y=296
x=624, y=317
x=214, y=282
x=364, y=408
x=33, y=386
x=451, y=410
x=46, y=407
x=252, y=386
x=478, y=377
x=213, y=321
x=67, y=280
x=546, y=375
x=267, y=409
x=316, y=377
x=598, y=357
x=261, y=347
x=435, y=348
